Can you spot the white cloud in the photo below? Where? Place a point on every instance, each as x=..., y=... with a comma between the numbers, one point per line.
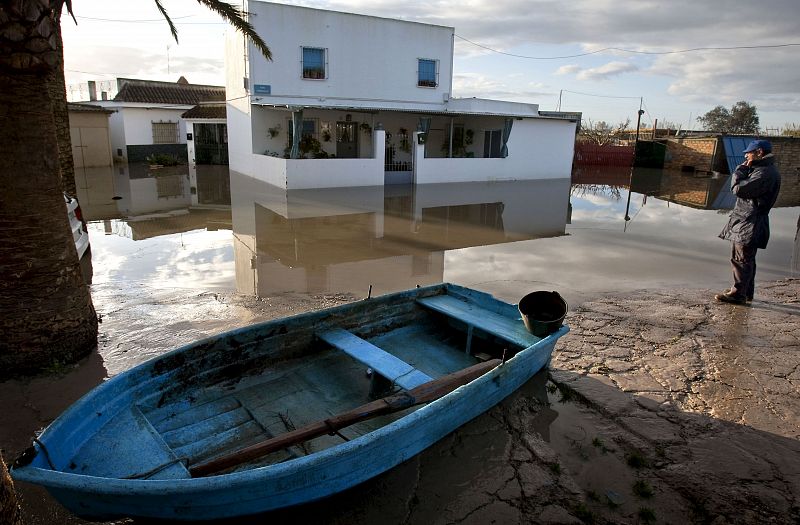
x=769, y=77
x=606, y=71
x=482, y=86
x=568, y=69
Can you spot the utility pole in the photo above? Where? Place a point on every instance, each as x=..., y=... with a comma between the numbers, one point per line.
x=635, y=148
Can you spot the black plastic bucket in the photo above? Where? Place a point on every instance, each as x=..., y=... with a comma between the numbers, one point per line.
x=543, y=312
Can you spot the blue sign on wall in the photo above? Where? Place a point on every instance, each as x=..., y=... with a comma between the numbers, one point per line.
x=262, y=89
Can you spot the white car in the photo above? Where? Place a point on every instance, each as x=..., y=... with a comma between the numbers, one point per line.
x=79, y=232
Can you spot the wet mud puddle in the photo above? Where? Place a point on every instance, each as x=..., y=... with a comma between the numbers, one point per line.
x=614, y=469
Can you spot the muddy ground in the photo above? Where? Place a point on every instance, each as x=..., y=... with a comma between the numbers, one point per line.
x=659, y=407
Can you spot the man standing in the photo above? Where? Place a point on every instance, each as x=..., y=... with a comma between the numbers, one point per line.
x=756, y=184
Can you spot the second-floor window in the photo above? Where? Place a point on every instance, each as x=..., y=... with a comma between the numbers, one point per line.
x=314, y=63
x=426, y=72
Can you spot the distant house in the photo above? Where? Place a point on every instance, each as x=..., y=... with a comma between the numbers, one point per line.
x=89, y=134
x=147, y=115
x=354, y=100
x=207, y=133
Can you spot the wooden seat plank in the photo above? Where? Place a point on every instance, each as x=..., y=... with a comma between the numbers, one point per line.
x=511, y=330
x=381, y=362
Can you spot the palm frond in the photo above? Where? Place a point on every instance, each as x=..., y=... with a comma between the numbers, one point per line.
x=68, y=3
x=235, y=17
x=168, y=19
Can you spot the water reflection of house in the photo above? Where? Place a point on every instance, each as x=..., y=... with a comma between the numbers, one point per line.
x=156, y=204
x=336, y=240
x=376, y=94
x=708, y=193
x=701, y=190
x=181, y=221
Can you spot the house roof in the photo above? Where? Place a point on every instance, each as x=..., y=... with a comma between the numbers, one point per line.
x=86, y=108
x=206, y=111
x=416, y=111
x=180, y=93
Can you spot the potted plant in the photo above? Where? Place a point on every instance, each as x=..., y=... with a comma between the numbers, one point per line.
x=273, y=132
x=366, y=128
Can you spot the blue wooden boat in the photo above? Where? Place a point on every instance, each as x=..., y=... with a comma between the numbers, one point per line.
x=133, y=445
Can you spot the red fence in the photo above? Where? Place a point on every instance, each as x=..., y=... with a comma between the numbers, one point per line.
x=589, y=154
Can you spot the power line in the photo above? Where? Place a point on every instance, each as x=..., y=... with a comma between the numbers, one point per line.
x=619, y=49
x=595, y=95
x=157, y=20
x=131, y=21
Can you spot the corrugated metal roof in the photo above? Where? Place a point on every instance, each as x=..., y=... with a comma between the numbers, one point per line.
x=150, y=91
x=417, y=111
x=734, y=146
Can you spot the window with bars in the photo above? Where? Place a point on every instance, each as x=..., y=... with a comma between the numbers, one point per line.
x=165, y=133
x=427, y=72
x=314, y=63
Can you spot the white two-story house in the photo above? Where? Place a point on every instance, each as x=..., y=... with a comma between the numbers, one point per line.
x=354, y=100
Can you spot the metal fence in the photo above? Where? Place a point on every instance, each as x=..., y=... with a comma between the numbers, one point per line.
x=589, y=154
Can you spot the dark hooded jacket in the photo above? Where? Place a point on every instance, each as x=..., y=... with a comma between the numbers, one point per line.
x=756, y=188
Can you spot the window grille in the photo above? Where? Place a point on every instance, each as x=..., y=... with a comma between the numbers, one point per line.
x=314, y=63
x=165, y=133
x=426, y=72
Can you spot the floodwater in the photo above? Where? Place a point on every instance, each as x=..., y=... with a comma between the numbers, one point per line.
x=209, y=230
x=206, y=229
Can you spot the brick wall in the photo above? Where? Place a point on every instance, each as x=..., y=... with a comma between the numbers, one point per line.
x=787, y=155
x=699, y=153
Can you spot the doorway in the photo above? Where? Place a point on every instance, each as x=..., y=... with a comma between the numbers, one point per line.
x=347, y=140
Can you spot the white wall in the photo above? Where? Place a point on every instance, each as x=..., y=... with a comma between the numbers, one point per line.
x=321, y=173
x=369, y=58
x=537, y=149
x=116, y=128
x=240, y=131
x=139, y=123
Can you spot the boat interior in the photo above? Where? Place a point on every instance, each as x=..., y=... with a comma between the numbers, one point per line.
x=294, y=375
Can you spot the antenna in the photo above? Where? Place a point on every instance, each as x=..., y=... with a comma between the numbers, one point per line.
x=167, y=59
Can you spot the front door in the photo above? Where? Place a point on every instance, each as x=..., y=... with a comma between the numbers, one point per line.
x=347, y=140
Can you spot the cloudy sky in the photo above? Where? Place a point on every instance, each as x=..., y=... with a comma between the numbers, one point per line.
x=597, y=56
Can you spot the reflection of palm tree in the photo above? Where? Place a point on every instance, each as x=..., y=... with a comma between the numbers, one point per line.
x=48, y=315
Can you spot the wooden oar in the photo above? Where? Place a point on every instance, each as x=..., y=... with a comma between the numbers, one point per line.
x=425, y=393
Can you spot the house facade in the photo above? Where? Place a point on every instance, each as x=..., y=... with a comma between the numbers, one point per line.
x=354, y=100
x=146, y=116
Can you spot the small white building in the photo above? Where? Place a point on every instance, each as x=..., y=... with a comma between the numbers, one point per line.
x=146, y=116
x=355, y=100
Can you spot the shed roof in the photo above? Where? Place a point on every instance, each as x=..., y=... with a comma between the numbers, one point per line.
x=86, y=108
x=206, y=111
x=181, y=93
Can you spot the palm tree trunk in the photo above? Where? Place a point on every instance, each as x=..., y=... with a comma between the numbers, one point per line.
x=57, y=88
x=48, y=315
x=9, y=508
